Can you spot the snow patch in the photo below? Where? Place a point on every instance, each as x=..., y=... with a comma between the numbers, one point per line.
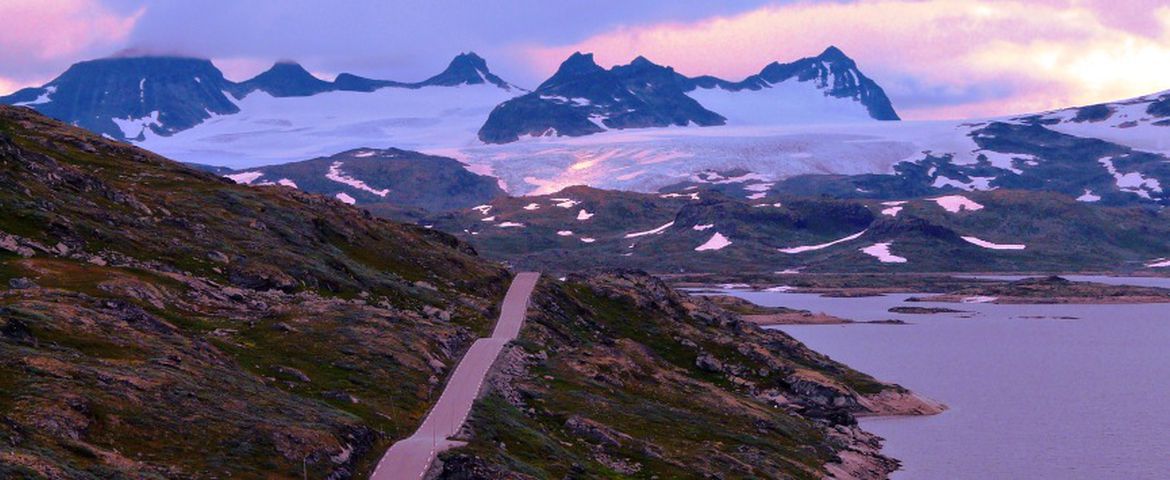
x=565, y=233
x=532, y=206
x=957, y=203
x=41, y=99
x=893, y=208
x=588, y=240
x=881, y=251
x=702, y=227
x=1089, y=197
x=566, y=202
x=1132, y=182
x=717, y=242
x=245, y=178
x=136, y=127
x=336, y=175
x=510, y=225
x=345, y=198
x=583, y=215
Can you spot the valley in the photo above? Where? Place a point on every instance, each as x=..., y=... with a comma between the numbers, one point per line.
x=617, y=253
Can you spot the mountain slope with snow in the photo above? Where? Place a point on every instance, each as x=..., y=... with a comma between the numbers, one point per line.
x=825, y=88
x=125, y=98
x=582, y=98
x=143, y=98
x=380, y=179
x=706, y=231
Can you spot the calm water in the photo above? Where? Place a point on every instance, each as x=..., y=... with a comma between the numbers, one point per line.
x=1031, y=395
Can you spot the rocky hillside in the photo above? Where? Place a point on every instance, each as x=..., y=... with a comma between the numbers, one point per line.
x=161, y=322
x=385, y=181
x=714, y=228
x=164, y=322
x=685, y=391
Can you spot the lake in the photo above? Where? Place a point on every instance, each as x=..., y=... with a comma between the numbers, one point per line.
x=1032, y=393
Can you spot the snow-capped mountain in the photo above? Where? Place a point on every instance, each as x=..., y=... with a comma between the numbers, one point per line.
x=1142, y=123
x=134, y=98
x=582, y=98
x=126, y=97
x=826, y=88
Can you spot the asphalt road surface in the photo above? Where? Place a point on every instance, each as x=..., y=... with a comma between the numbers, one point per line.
x=410, y=458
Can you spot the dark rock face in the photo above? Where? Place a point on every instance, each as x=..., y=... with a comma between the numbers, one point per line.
x=582, y=98
x=1093, y=113
x=1160, y=108
x=287, y=79
x=183, y=92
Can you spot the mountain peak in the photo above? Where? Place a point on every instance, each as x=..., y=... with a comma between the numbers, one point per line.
x=578, y=63
x=466, y=69
x=833, y=54
x=469, y=58
x=287, y=78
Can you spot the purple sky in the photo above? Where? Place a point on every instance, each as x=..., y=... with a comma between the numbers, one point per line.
x=936, y=58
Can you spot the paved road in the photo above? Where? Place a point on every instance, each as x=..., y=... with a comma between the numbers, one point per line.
x=410, y=458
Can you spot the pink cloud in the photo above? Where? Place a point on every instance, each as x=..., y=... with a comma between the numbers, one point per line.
x=60, y=28
x=1037, y=55
x=42, y=37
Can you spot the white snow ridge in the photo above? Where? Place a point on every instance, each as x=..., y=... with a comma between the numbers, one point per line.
x=994, y=246
x=655, y=231
x=809, y=248
x=717, y=242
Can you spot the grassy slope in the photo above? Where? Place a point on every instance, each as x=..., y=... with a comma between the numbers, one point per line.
x=177, y=318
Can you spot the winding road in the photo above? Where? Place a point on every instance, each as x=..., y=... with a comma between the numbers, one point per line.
x=409, y=458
